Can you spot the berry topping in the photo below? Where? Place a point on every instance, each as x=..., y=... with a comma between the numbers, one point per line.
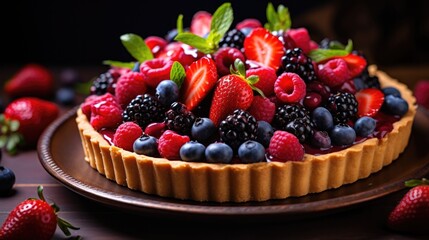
x=201, y=77
x=201, y=22
x=322, y=118
x=144, y=109
x=179, y=119
x=356, y=64
x=343, y=107
x=105, y=115
x=218, y=153
x=321, y=140
x=421, y=91
x=156, y=70
x=251, y=152
x=203, y=129
x=285, y=147
x=312, y=100
x=105, y=82
x=248, y=23
x=391, y=91
x=297, y=62
x=225, y=57
x=289, y=87
x=264, y=133
x=129, y=85
x=146, y=145
x=94, y=99
x=234, y=38
x=295, y=119
x=262, y=46
x=238, y=128
x=156, y=44
x=267, y=77
x=364, y=126
x=7, y=180
x=369, y=101
x=126, y=134
x=167, y=92
x=342, y=135
x=395, y=105
x=262, y=109
x=155, y=129
x=334, y=72
x=300, y=38
x=192, y=152
x=169, y=144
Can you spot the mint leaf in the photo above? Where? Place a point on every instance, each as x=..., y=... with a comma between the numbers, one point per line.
x=177, y=73
x=349, y=47
x=271, y=17
x=319, y=54
x=113, y=63
x=195, y=41
x=221, y=22
x=179, y=23
x=136, y=46
x=277, y=20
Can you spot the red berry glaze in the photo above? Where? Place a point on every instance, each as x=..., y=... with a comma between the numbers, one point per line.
x=289, y=87
x=169, y=144
x=126, y=134
x=156, y=70
x=285, y=147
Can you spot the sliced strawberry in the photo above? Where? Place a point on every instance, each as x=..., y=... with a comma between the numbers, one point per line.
x=262, y=46
x=201, y=77
x=355, y=63
x=369, y=101
x=201, y=22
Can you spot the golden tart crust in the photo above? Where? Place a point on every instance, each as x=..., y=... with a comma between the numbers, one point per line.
x=248, y=182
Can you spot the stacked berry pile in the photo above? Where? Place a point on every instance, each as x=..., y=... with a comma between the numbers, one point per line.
x=244, y=94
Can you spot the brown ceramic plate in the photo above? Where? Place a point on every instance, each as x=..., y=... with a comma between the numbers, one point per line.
x=61, y=154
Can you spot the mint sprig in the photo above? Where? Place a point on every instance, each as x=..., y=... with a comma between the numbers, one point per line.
x=120, y=64
x=221, y=22
x=136, y=46
x=277, y=20
x=177, y=73
x=336, y=49
x=179, y=24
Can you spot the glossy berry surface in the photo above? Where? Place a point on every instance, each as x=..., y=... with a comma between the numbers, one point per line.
x=342, y=135
x=251, y=152
x=192, y=152
x=322, y=118
x=203, y=129
x=285, y=147
x=7, y=180
x=146, y=145
x=364, y=126
x=218, y=153
x=65, y=96
x=391, y=91
x=395, y=105
x=321, y=139
x=167, y=92
x=264, y=133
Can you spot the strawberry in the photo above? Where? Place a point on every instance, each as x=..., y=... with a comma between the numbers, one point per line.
x=369, y=101
x=32, y=80
x=411, y=214
x=34, y=219
x=201, y=23
x=201, y=77
x=33, y=115
x=233, y=91
x=262, y=46
x=355, y=63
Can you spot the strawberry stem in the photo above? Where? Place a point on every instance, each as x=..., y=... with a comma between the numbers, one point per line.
x=239, y=69
x=416, y=182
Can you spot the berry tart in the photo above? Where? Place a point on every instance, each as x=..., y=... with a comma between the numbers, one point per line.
x=249, y=112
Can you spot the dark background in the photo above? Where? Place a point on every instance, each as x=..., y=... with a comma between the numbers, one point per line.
x=84, y=33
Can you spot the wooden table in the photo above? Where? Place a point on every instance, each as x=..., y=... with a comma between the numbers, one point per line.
x=97, y=221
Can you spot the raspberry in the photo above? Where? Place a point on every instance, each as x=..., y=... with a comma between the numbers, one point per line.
x=421, y=91
x=126, y=134
x=267, y=77
x=262, y=109
x=225, y=57
x=169, y=144
x=156, y=44
x=156, y=70
x=334, y=72
x=129, y=85
x=248, y=23
x=285, y=147
x=289, y=87
x=94, y=99
x=105, y=114
x=301, y=38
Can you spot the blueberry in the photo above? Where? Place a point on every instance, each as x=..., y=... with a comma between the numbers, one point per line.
x=69, y=77
x=65, y=96
x=192, y=152
x=171, y=35
x=321, y=139
x=342, y=135
x=395, y=105
x=146, y=145
x=136, y=67
x=167, y=92
x=264, y=133
x=251, y=152
x=202, y=129
x=218, y=153
x=246, y=31
x=322, y=118
x=364, y=126
x=359, y=83
x=7, y=180
x=391, y=91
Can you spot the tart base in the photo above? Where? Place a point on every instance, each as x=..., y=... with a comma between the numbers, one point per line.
x=248, y=182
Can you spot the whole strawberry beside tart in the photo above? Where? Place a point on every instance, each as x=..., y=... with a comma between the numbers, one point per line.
x=246, y=113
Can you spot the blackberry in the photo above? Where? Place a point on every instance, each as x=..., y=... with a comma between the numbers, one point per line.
x=237, y=128
x=104, y=83
x=143, y=110
x=233, y=38
x=343, y=107
x=295, y=119
x=297, y=62
x=179, y=119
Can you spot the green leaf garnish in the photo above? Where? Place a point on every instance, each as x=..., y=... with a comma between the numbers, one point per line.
x=349, y=46
x=221, y=22
x=177, y=73
x=113, y=63
x=10, y=138
x=319, y=54
x=136, y=46
x=179, y=24
x=416, y=182
x=277, y=20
